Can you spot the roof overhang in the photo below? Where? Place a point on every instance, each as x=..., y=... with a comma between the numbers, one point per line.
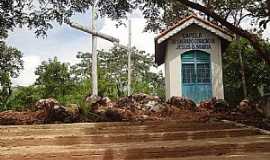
x=162, y=38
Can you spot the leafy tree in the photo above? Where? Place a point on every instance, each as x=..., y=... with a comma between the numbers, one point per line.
x=257, y=72
x=10, y=64
x=41, y=14
x=112, y=72
x=82, y=70
x=55, y=77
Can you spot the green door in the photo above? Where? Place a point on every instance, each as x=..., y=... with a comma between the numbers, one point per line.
x=196, y=75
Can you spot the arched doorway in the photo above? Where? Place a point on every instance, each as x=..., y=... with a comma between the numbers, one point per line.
x=196, y=75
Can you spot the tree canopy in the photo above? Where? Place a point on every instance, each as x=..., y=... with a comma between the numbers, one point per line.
x=54, y=77
x=112, y=72
x=256, y=71
x=40, y=14
x=10, y=64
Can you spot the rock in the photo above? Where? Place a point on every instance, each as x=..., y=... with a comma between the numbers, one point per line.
x=113, y=115
x=206, y=106
x=46, y=104
x=93, y=99
x=74, y=112
x=264, y=106
x=144, y=98
x=154, y=106
x=182, y=103
x=245, y=106
x=55, y=112
x=220, y=105
x=138, y=102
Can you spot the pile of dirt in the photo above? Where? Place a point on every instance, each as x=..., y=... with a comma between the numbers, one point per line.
x=20, y=118
x=214, y=105
x=142, y=107
x=47, y=111
x=182, y=103
x=247, y=112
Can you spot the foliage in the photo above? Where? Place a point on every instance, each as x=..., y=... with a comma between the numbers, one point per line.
x=78, y=93
x=112, y=72
x=37, y=14
x=10, y=64
x=82, y=70
x=70, y=85
x=257, y=72
x=55, y=77
x=42, y=13
x=24, y=97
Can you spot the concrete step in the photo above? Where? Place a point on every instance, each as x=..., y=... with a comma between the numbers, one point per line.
x=236, y=156
x=150, y=140
x=143, y=150
x=99, y=129
x=122, y=138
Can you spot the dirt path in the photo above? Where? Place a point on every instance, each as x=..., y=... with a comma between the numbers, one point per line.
x=149, y=140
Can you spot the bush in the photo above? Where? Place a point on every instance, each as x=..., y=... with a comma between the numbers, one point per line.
x=24, y=97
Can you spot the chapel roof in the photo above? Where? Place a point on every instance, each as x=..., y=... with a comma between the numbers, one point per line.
x=162, y=38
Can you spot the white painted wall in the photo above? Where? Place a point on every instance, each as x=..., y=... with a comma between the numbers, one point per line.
x=173, y=79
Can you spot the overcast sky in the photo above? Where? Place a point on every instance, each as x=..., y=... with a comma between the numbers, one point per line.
x=64, y=43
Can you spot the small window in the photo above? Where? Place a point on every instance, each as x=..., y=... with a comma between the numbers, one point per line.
x=189, y=73
x=196, y=67
x=203, y=73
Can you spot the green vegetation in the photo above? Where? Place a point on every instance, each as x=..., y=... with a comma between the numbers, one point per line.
x=55, y=79
x=41, y=15
x=10, y=65
x=71, y=84
x=256, y=71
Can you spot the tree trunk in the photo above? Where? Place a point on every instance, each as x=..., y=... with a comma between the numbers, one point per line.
x=242, y=69
x=255, y=41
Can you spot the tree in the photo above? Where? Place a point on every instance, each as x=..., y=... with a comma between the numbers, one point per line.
x=257, y=72
x=10, y=64
x=55, y=77
x=41, y=15
x=113, y=70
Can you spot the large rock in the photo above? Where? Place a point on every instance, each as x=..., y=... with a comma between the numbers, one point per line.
x=220, y=105
x=55, y=112
x=93, y=99
x=140, y=101
x=264, y=106
x=46, y=104
x=245, y=106
x=214, y=105
x=182, y=103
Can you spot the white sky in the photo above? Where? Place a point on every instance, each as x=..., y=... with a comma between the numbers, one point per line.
x=64, y=43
